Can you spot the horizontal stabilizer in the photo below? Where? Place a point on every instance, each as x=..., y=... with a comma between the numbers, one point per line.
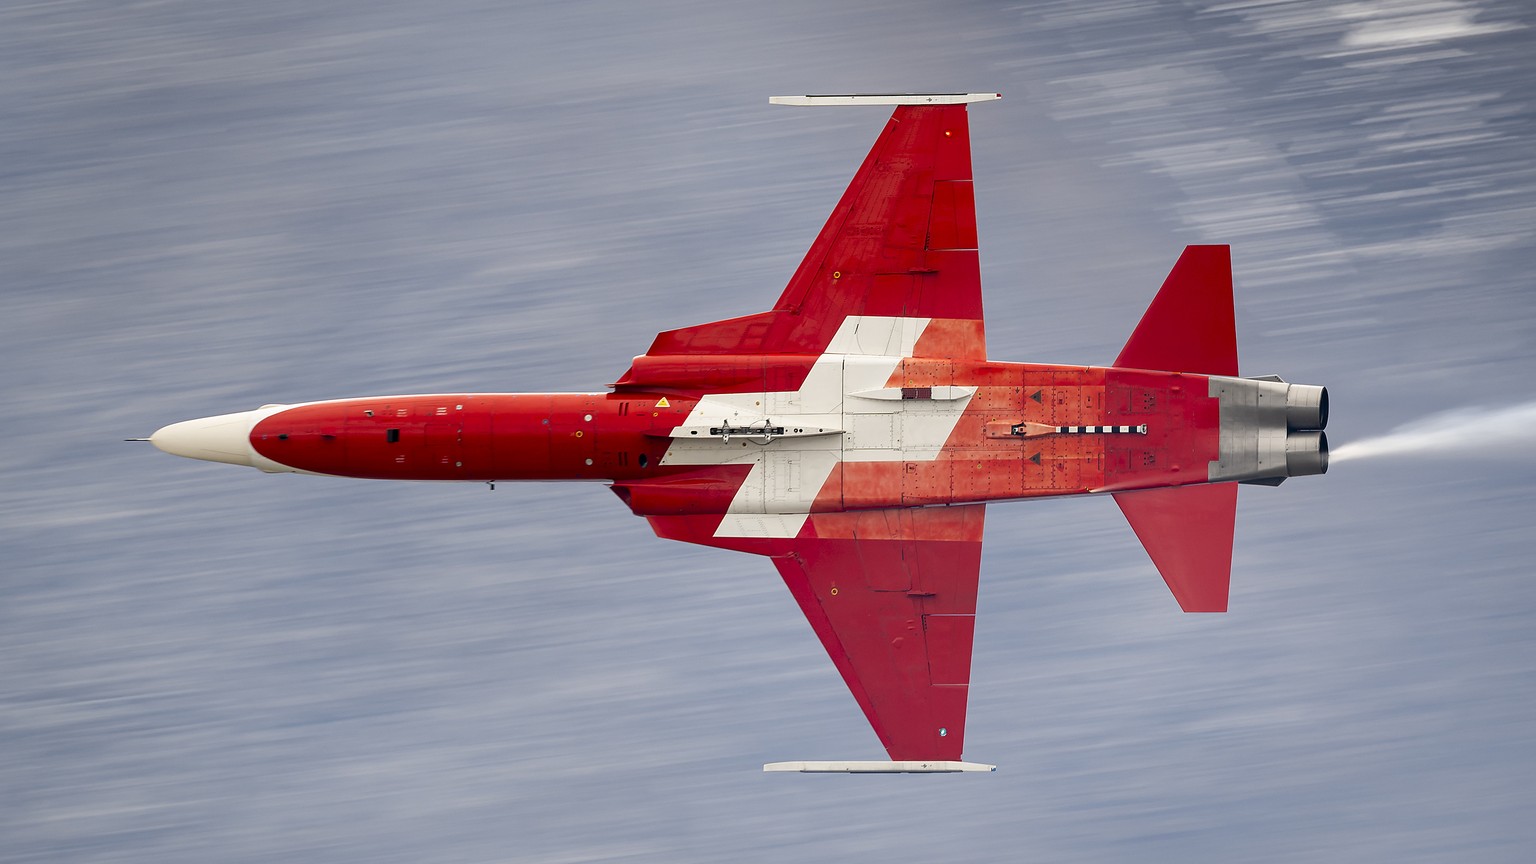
x=1190, y=326
x=879, y=767
x=1188, y=532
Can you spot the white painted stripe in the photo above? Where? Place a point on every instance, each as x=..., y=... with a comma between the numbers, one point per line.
x=877, y=335
x=761, y=524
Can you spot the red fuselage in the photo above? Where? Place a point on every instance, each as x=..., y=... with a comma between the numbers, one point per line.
x=623, y=437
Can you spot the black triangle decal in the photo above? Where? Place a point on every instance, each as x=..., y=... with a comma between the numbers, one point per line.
x=1035, y=395
x=1035, y=458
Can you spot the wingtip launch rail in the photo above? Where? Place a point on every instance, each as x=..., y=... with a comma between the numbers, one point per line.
x=879, y=767
x=885, y=99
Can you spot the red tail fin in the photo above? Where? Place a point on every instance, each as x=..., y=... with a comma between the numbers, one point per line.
x=1188, y=532
x=1190, y=326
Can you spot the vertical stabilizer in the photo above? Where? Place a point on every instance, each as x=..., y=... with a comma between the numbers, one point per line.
x=1188, y=532
x=1190, y=325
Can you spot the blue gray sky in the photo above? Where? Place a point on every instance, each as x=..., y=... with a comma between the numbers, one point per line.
x=208, y=206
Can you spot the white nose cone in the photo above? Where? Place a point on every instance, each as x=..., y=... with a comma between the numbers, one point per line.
x=225, y=438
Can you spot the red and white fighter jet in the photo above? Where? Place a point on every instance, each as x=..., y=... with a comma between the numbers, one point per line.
x=854, y=433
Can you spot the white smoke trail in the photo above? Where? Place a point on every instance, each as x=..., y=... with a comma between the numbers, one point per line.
x=1474, y=431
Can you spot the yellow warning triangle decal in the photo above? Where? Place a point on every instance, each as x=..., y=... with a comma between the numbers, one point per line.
x=663, y=403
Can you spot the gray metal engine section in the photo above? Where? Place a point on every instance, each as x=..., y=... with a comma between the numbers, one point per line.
x=1270, y=430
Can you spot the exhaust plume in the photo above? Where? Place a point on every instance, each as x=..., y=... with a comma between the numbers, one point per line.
x=1473, y=431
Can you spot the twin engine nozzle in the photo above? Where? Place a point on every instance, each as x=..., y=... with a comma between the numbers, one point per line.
x=1306, y=416
x=1270, y=430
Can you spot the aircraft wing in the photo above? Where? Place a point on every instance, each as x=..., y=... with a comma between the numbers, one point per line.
x=900, y=243
x=891, y=594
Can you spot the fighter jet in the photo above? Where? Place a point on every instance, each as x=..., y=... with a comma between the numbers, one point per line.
x=855, y=432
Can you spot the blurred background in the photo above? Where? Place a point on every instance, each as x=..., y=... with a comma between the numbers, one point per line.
x=208, y=206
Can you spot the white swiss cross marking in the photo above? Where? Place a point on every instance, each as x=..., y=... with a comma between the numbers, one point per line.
x=845, y=390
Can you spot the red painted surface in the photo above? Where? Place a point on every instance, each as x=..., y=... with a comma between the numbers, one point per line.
x=541, y=436
x=1188, y=532
x=1190, y=326
x=897, y=615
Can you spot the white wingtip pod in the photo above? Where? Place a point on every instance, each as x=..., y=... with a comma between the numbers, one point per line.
x=937, y=767
x=885, y=99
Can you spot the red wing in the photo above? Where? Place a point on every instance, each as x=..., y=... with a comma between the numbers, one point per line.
x=900, y=243
x=892, y=596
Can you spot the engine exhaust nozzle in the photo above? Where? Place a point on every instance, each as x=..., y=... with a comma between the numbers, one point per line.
x=1306, y=407
x=1306, y=452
